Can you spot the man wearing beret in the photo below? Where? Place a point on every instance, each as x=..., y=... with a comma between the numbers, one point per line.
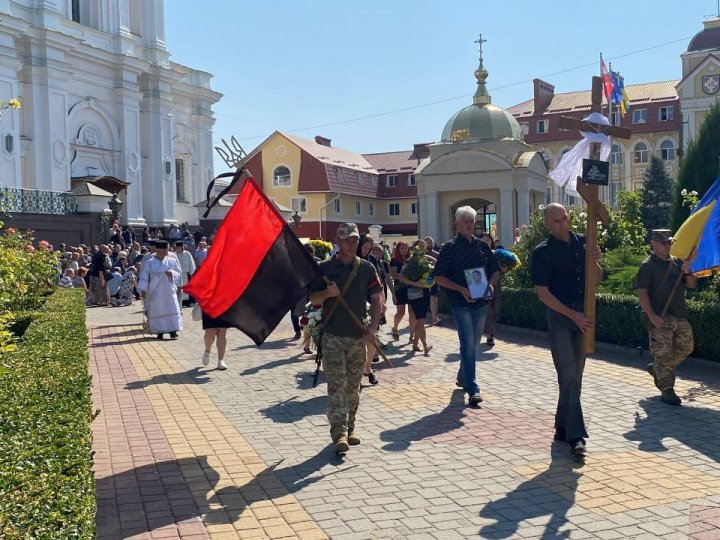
x=344, y=341
x=662, y=280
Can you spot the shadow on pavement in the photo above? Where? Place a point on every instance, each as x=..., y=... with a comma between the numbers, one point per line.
x=552, y=492
x=179, y=504
x=485, y=355
x=270, y=365
x=191, y=376
x=434, y=424
x=695, y=427
x=291, y=410
x=271, y=345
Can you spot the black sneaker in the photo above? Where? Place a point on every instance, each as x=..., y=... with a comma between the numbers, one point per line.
x=577, y=448
x=475, y=400
x=650, y=368
x=670, y=397
x=159, y=336
x=490, y=342
x=372, y=377
x=173, y=335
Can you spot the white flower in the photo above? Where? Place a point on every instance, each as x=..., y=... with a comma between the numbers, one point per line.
x=541, y=207
x=582, y=215
x=694, y=193
x=684, y=192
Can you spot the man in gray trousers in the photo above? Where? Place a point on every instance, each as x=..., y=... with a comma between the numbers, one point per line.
x=558, y=274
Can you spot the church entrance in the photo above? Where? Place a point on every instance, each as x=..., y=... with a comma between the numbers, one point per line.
x=486, y=216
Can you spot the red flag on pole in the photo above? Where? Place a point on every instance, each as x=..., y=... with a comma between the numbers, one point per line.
x=256, y=269
x=607, y=80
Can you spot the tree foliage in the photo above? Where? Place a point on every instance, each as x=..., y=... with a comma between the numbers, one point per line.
x=657, y=196
x=700, y=165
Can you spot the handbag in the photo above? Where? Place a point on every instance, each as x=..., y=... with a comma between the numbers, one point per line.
x=196, y=312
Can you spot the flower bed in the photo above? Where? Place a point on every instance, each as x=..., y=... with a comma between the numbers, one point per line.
x=46, y=477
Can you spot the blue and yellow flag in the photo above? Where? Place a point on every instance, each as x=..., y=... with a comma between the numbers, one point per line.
x=701, y=232
x=619, y=95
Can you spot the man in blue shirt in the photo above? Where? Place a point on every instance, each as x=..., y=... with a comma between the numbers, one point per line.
x=466, y=252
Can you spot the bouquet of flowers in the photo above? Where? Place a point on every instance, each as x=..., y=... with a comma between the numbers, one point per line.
x=310, y=321
x=506, y=260
x=418, y=267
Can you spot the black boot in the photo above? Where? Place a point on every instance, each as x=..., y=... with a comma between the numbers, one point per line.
x=159, y=336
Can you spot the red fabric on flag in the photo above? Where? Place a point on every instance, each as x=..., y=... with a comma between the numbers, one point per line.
x=608, y=85
x=244, y=238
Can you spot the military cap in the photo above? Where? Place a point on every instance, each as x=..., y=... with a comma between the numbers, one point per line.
x=661, y=234
x=347, y=230
x=161, y=244
x=178, y=243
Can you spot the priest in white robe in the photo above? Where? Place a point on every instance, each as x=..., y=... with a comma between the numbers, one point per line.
x=187, y=265
x=159, y=281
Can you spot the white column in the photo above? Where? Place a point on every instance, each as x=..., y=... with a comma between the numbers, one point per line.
x=523, y=207
x=506, y=217
x=428, y=219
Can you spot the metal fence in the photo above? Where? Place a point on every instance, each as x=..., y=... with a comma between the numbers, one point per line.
x=36, y=201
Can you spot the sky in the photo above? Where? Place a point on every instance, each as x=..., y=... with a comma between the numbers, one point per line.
x=379, y=76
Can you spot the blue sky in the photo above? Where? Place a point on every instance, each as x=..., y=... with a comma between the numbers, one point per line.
x=288, y=65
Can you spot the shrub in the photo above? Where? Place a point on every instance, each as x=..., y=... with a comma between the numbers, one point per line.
x=322, y=248
x=46, y=476
x=618, y=320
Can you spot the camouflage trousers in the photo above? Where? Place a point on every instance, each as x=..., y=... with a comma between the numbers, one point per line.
x=670, y=345
x=343, y=359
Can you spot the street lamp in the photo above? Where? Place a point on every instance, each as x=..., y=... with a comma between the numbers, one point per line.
x=115, y=205
x=296, y=218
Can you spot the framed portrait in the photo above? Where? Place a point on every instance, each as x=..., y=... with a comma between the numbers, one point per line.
x=477, y=283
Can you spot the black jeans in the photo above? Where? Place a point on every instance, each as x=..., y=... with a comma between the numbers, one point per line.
x=566, y=346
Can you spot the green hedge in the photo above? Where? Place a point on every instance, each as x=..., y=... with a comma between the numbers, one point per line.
x=618, y=320
x=46, y=477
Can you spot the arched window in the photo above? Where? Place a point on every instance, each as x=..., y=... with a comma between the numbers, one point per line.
x=641, y=152
x=667, y=150
x=616, y=155
x=281, y=176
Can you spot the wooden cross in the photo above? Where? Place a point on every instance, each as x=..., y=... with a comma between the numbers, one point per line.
x=595, y=209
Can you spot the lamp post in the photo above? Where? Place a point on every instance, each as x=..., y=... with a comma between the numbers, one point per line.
x=115, y=205
x=296, y=218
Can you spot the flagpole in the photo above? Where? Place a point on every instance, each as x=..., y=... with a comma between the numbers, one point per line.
x=610, y=117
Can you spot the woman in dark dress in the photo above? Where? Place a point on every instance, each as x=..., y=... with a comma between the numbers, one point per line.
x=364, y=248
x=401, y=254
x=215, y=329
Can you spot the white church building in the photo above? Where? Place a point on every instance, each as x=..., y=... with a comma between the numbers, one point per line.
x=102, y=104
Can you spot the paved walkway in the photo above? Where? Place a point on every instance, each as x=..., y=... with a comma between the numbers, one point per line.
x=184, y=451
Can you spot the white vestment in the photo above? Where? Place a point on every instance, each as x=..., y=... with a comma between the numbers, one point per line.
x=187, y=264
x=161, y=305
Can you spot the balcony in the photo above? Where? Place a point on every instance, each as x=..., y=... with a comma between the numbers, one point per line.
x=36, y=201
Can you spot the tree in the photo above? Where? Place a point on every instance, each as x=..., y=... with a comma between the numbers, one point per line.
x=657, y=196
x=626, y=227
x=699, y=167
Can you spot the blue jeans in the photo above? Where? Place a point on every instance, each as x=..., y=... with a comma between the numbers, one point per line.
x=470, y=323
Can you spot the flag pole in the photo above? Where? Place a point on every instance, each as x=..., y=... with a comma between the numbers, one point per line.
x=677, y=282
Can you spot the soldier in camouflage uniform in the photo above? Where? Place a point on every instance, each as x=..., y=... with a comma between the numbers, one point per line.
x=671, y=337
x=343, y=341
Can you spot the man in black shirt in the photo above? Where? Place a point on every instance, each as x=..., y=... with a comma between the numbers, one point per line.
x=558, y=273
x=466, y=252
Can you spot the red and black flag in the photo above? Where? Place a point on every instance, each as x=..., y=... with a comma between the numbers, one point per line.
x=256, y=269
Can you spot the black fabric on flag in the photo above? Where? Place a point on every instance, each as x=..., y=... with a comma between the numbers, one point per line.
x=279, y=283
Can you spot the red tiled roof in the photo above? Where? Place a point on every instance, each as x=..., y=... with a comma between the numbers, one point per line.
x=331, y=155
x=576, y=101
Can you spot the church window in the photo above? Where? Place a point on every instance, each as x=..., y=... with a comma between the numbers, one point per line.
x=180, y=187
x=371, y=209
x=548, y=193
x=665, y=114
x=391, y=180
x=616, y=155
x=75, y=10
x=639, y=116
x=394, y=209
x=281, y=176
x=667, y=150
x=299, y=204
x=542, y=126
x=641, y=152
x=411, y=180
x=546, y=158
x=358, y=208
x=413, y=209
